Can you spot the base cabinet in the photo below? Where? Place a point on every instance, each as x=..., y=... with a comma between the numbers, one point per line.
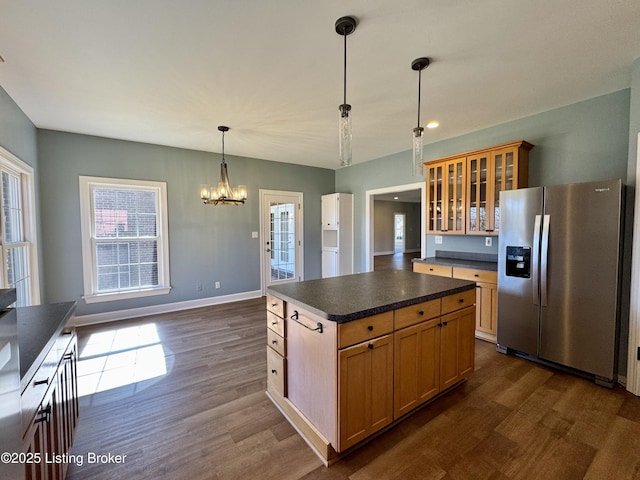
x=486, y=322
x=50, y=431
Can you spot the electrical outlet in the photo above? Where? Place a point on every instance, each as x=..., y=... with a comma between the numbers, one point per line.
x=254, y=234
x=438, y=239
x=217, y=284
x=488, y=241
x=198, y=287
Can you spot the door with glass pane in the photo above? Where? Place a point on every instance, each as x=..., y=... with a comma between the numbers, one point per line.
x=15, y=248
x=281, y=237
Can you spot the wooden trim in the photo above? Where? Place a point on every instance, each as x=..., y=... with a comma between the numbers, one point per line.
x=519, y=144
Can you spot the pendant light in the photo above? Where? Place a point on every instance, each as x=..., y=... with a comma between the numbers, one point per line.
x=418, y=64
x=224, y=194
x=345, y=26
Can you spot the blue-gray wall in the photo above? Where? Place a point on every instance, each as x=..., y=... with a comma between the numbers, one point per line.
x=18, y=135
x=206, y=243
x=577, y=143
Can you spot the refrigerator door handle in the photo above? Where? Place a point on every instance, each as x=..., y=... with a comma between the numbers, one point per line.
x=544, y=254
x=535, y=261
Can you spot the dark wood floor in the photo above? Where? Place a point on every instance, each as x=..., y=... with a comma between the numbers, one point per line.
x=396, y=261
x=208, y=417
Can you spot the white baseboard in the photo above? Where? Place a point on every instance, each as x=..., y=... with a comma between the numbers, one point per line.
x=390, y=252
x=105, y=317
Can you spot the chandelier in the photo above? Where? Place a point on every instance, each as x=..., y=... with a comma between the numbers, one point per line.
x=223, y=194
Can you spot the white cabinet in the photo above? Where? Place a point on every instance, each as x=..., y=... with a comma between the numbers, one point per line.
x=337, y=234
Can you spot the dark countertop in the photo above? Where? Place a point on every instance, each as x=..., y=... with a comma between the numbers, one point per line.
x=38, y=328
x=456, y=262
x=350, y=297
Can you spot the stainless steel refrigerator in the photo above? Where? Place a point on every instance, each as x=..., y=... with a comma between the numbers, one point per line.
x=558, y=275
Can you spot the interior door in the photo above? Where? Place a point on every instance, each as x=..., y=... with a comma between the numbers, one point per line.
x=281, y=237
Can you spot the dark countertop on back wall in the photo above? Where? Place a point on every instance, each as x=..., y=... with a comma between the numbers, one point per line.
x=479, y=261
x=350, y=297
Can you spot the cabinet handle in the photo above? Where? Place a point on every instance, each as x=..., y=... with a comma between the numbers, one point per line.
x=68, y=356
x=274, y=323
x=70, y=332
x=295, y=315
x=274, y=342
x=444, y=323
x=274, y=371
x=421, y=312
x=440, y=325
x=41, y=382
x=370, y=328
x=370, y=346
x=431, y=269
x=476, y=275
x=45, y=414
x=461, y=300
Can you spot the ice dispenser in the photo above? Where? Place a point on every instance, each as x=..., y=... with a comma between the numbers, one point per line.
x=518, y=262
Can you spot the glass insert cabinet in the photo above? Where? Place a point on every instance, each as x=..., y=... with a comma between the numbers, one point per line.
x=463, y=191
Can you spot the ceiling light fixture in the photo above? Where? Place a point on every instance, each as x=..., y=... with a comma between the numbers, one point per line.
x=345, y=26
x=418, y=64
x=224, y=194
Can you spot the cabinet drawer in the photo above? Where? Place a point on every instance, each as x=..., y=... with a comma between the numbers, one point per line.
x=276, y=373
x=276, y=342
x=275, y=323
x=364, y=329
x=275, y=305
x=407, y=316
x=485, y=276
x=460, y=300
x=431, y=269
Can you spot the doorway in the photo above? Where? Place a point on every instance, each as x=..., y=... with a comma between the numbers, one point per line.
x=399, y=232
x=388, y=193
x=281, y=251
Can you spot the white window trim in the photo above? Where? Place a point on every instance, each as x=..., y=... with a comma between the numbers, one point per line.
x=88, y=253
x=9, y=161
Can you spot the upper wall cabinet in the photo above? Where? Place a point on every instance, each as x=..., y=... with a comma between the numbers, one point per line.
x=446, y=189
x=483, y=175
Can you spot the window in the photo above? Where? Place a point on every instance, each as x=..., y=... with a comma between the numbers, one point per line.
x=17, y=242
x=125, y=247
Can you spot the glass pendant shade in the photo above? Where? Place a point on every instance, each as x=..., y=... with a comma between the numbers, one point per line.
x=417, y=151
x=344, y=135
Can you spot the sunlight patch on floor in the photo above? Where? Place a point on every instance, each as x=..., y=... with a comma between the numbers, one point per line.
x=120, y=357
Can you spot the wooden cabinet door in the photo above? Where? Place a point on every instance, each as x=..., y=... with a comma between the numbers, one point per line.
x=455, y=191
x=457, y=346
x=365, y=390
x=479, y=193
x=505, y=176
x=486, y=307
x=446, y=193
x=416, y=365
x=435, y=197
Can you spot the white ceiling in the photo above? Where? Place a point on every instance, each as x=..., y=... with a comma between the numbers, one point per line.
x=169, y=72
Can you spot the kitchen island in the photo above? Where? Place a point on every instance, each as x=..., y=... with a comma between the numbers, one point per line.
x=350, y=356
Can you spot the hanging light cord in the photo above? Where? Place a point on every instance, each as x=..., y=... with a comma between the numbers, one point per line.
x=345, y=69
x=223, y=147
x=419, y=86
